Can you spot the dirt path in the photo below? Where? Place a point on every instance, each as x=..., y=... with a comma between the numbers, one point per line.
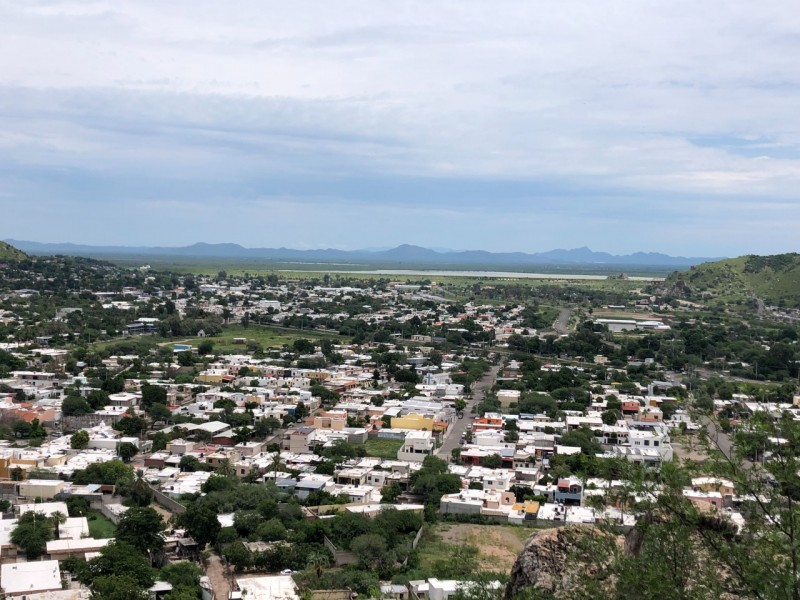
x=498, y=545
x=165, y=514
x=216, y=574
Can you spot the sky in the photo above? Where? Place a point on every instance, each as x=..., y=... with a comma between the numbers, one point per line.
x=497, y=125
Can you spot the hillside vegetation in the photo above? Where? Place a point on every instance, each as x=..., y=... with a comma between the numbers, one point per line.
x=773, y=279
x=8, y=252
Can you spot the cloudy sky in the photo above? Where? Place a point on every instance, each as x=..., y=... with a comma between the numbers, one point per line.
x=498, y=125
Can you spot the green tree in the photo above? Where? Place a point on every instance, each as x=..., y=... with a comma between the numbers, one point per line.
x=371, y=551
x=141, y=527
x=160, y=441
x=79, y=440
x=126, y=451
x=141, y=493
x=31, y=533
x=120, y=559
x=202, y=524
x=131, y=425
x=112, y=472
x=239, y=556
x=159, y=412
x=75, y=405
x=153, y=394
x=182, y=574
x=118, y=587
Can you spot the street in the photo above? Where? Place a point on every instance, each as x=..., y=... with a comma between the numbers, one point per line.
x=561, y=325
x=452, y=438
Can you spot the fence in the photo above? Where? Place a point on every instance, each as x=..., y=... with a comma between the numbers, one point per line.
x=167, y=502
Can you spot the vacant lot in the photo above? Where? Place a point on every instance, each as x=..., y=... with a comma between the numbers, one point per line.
x=268, y=337
x=383, y=448
x=100, y=527
x=498, y=545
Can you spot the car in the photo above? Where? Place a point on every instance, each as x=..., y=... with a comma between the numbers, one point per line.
x=286, y=572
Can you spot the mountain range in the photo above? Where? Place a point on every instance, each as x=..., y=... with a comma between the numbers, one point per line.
x=403, y=254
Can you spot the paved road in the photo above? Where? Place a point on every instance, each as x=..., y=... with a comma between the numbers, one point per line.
x=453, y=437
x=717, y=437
x=561, y=325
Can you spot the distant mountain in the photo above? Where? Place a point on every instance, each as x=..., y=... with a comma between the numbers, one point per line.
x=9, y=252
x=773, y=280
x=401, y=255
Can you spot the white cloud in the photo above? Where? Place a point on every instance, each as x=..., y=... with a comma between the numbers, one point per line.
x=607, y=98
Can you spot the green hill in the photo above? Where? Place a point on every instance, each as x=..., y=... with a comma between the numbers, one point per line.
x=775, y=280
x=8, y=252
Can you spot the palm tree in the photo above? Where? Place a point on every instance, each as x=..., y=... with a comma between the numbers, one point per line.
x=58, y=518
x=276, y=463
x=141, y=492
x=225, y=468
x=318, y=561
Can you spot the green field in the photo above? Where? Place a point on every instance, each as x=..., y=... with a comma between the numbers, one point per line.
x=380, y=448
x=100, y=527
x=269, y=336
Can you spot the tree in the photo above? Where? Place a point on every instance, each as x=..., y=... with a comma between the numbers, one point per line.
x=201, y=523
x=370, y=550
x=141, y=527
x=75, y=405
x=120, y=559
x=118, y=587
x=153, y=394
x=131, y=425
x=159, y=412
x=205, y=348
x=127, y=451
x=241, y=435
x=111, y=472
x=189, y=464
x=610, y=417
x=182, y=574
x=79, y=440
x=492, y=461
x=239, y=556
x=160, y=441
x=300, y=411
x=271, y=531
x=141, y=492
x=31, y=533
x=318, y=561
x=36, y=430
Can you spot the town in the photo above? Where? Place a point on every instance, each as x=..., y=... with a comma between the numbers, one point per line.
x=183, y=436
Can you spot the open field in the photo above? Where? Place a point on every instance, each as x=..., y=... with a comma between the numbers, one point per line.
x=100, y=527
x=498, y=545
x=261, y=266
x=383, y=448
x=269, y=336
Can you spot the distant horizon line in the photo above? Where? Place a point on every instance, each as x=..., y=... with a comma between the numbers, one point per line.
x=370, y=250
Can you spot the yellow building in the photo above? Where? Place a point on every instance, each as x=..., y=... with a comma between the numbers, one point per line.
x=212, y=376
x=414, y=421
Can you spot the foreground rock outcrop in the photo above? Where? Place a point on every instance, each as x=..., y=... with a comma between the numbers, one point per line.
x=551, y=560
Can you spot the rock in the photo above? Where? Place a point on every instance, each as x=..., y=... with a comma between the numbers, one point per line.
x=548, y=562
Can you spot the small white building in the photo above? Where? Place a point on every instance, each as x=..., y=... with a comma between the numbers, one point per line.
x=21, y=579
x=416, y=446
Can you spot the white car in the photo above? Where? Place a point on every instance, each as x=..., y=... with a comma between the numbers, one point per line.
x=286, y=572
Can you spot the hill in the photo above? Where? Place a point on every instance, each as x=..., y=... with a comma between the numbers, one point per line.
x=401, y=256
x=775, y=280
x=9, y=252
